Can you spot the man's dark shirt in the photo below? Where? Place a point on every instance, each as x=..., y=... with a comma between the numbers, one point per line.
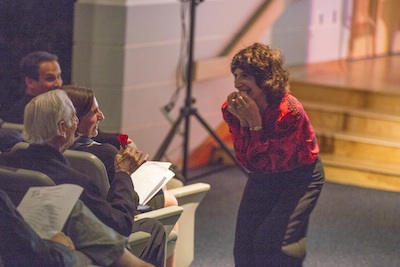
x=8, y=138
x=117, y=211
x=105, y=152
x=16, y=113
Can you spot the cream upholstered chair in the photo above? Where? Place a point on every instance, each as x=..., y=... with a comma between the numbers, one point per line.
x=91, y=165
x=16, y=182
x=79, y=160
x=12, y=126
x=189, y=197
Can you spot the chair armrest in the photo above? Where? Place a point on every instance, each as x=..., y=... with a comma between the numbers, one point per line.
x=168, y=216
x=190, y=193
x=189, y=197
x=12, y=126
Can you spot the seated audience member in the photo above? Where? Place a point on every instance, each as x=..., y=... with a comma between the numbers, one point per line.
x=50, y=124
x=41, y=73
x=21, y=246
x=8, y=138
x=89, y=115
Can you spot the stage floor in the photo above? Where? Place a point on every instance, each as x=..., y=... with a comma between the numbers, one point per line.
x=381, y=74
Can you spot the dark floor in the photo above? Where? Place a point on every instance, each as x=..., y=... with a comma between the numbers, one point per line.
x=350, y=227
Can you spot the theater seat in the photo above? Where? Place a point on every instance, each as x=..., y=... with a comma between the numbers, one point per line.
x=16, y=182
x=189, y=197
x=12, y=126
x=91, y=165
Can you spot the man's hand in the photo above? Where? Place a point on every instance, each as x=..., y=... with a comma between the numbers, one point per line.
x=61, y=238
x=129, y=160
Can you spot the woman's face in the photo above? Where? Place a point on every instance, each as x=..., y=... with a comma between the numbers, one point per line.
x=89, y=123
x=247, y=83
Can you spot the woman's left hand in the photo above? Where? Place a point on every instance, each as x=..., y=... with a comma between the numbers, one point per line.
x=248, y=109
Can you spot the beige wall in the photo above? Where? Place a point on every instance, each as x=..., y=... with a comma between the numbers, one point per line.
x=127, y=51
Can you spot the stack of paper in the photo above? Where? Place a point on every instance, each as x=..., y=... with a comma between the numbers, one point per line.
x=150, y=178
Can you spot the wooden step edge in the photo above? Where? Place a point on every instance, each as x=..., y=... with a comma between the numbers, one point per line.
x=320, y=84
x=366, y=174
x=361, y=165
x=319, y=68
x=362, y=179
x=358, y=137
x=332, y=108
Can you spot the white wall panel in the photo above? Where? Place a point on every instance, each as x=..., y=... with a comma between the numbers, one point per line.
x=290, y=32
x=149, y=64
x=325, y=30
x=153, y=23
x=127, y=52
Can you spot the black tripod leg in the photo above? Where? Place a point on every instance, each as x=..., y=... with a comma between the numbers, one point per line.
x=167, y=140
x=187, y=110
x=216, y=137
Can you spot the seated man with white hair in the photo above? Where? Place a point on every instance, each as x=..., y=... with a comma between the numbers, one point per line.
x=50, y=123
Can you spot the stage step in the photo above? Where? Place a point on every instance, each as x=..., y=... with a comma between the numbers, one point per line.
x=363, y=173
x=381, y=102
x=359, y=146
x=358, y=132
x=338, y=118
x=355, y=111
x=346, y=170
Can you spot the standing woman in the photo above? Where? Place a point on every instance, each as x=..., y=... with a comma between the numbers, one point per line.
x=274, y=140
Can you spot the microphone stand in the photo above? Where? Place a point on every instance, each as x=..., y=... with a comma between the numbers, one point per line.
x=187, y=110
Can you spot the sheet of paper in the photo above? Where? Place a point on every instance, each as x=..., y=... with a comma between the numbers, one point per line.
x=47, y=208
x=150, y=178
x=168, y=176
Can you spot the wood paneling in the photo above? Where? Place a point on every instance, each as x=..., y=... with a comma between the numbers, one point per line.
x=354, y=108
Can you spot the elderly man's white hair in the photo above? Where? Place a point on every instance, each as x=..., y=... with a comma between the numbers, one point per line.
x=43, y=113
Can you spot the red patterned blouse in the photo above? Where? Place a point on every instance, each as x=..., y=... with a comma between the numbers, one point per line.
x=286, y=141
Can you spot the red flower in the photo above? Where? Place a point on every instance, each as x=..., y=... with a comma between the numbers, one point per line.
x=123, y=139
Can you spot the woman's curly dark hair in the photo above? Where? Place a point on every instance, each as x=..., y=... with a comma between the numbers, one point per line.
x=266, y=65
